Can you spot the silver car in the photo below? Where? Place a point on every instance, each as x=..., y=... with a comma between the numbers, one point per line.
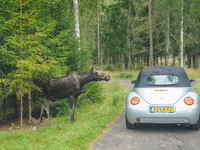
x=162, y=95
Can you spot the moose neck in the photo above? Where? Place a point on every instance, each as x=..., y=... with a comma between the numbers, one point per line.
x=85, y=77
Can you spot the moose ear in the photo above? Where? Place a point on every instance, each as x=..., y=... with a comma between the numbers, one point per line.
x=92, y=69
x=97, y=68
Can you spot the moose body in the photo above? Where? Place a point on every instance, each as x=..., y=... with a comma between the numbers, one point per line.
x=68, y=86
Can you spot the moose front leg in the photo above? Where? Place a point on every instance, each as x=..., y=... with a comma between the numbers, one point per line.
x=72, y=105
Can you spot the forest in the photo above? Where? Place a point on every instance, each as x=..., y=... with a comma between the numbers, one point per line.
x=41, y=39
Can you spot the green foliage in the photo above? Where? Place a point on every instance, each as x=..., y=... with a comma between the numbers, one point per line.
x=114, y=33
x=37, y=43
x=126, y=75
x=116, y=99
x=109, y=68
x=27, y=71
x=62, y=108
x=90, y=121
x=91, y=93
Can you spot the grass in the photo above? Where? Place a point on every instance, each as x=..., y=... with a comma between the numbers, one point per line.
x=124, y=75
x=194, y=74
x=90, y=121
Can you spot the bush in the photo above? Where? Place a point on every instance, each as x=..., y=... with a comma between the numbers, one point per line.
x=109, y=68
x=63, y=110
x=140, y=68
x=91, y=93
x=126, y=75
x=119, y=66
x=116, y=100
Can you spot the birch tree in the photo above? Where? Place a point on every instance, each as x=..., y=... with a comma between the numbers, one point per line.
x=76, y=14
x=181, y=37
x=167, y=41
x=98, y=37
x=151, y=36
x=128, y=42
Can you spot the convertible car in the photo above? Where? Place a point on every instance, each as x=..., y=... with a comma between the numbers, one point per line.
x=162, y=95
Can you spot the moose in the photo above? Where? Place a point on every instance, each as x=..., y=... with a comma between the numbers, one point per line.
x=68, y=86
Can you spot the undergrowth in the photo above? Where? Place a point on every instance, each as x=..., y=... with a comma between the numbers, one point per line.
x=90, y=121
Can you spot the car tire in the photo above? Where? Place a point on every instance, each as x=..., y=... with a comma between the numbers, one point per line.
x=129, y=125
x=195, y=126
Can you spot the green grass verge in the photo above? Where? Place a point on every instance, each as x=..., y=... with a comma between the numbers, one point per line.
x=125, y=75
x=90, y=121
x=194, y=74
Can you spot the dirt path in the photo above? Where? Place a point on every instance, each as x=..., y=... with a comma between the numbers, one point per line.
x=146, y=137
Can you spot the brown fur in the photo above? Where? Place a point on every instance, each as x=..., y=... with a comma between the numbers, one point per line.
x=68, y=86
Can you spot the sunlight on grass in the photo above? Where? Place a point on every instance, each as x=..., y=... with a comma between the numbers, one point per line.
x=90, y=121
x=194, y=74
x=124, y=75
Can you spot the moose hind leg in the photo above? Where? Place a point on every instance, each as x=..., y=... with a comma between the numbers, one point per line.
x=47, y=111
x=42, y=110
x=45, y=106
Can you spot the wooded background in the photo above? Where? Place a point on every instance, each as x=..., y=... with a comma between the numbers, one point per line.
x=41, y=39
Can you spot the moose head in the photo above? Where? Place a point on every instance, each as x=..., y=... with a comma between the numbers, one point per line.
x=98, y=76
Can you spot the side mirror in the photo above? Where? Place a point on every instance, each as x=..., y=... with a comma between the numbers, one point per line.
x=192, y=81
x=133, y=81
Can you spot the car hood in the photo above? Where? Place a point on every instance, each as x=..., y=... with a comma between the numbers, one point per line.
x=162, y=95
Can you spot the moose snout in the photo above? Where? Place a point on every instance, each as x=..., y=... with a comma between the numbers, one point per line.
x=107, y=78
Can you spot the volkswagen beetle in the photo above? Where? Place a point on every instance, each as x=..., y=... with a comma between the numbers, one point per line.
x=162, y=95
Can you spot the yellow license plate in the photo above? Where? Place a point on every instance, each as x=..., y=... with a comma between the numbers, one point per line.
x=161, y=109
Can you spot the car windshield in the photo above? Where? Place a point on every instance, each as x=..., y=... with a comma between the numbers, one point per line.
x=162, y=80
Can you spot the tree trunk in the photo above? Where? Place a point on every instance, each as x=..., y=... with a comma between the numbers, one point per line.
x=101, y=48
x=133, y=61
x=21, y=112
x=174, y=60
x=167, y=37
x=154, y=61
x=195, y=60
x=126, y=62
x=29, y=107
x=128, y=42
x=98, y=37
x=147, y=61
x=198, y=61
x=181, y=46
x=189, y=60
x=76, y=14
x=4, y=106
x=161, y=61
x=21, y=101
x=151, y=36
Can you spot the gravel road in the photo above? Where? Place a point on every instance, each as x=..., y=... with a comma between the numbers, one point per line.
x=146, y=137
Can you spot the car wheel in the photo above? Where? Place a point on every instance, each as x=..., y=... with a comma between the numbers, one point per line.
x=129, y=125
x=195, y=126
